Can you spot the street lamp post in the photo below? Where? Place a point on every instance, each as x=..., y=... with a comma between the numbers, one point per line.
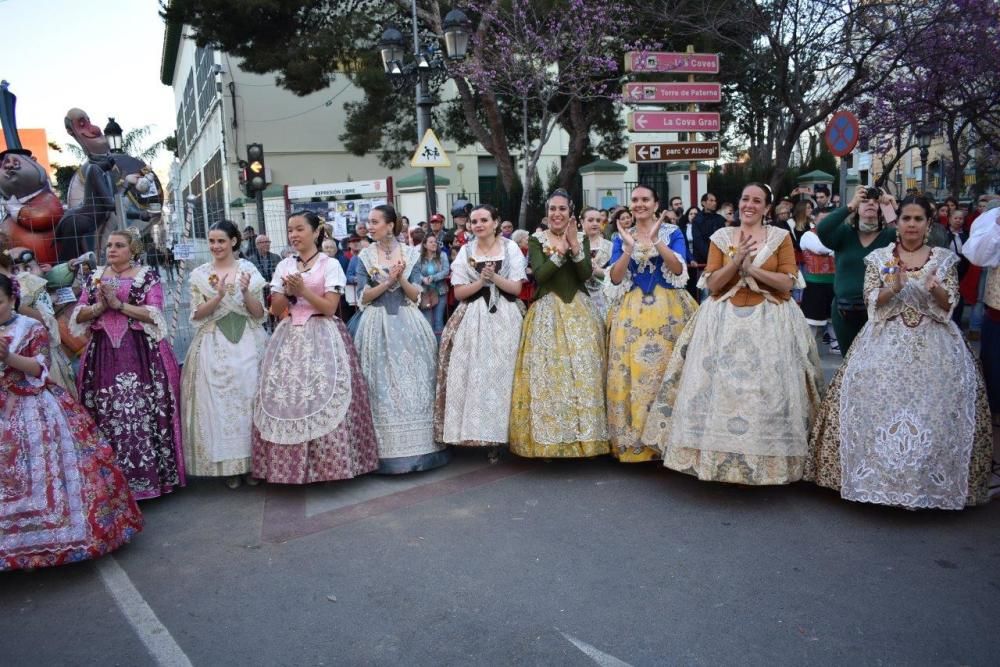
x=924, y=137
x=427, y=61
x=113, y=133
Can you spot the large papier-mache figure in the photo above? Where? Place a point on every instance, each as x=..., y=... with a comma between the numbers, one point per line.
x=31, y=211
x=109, y=191
x=92, y=213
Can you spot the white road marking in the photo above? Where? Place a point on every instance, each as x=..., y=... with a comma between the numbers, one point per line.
x=147, y=626
x=600, y=657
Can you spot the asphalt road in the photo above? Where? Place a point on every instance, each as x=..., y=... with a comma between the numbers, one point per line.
x=561, y=563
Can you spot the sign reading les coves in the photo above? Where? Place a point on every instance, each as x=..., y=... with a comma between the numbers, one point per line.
x=676, y=63
x=684, y=151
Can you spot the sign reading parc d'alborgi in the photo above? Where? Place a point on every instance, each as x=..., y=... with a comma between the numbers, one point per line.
x=672, y=63
x=680, y=92
x=673, y=121
x=671, y=152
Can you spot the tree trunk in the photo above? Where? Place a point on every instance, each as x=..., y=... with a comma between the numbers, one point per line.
x=578, y=126
x=782, y=157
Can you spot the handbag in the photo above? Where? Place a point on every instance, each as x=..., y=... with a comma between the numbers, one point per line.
x=429, y=298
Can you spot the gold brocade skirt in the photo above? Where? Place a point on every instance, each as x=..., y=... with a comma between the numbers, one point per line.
x=640, y=339
x=557, y=406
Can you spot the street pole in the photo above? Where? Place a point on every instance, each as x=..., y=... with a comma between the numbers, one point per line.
x=693, y=166
x=842, y=190
x=424, y=104
x=261, y=227
x=923, y=170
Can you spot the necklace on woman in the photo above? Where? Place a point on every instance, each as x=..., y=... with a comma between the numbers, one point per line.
x=305, y=263
x=6, y=324
x=387, y=247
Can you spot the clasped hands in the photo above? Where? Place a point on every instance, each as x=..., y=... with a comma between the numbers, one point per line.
x=897, y=281
x=629, y=240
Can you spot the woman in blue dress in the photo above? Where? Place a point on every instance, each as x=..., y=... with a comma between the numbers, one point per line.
x=397, y=349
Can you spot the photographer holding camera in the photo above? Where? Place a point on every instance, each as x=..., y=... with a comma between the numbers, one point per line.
x=852, y=232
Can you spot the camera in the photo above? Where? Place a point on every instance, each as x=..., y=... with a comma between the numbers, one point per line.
x=873, y=193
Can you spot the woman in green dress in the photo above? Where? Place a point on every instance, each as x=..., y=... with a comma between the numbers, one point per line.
x=557, y=409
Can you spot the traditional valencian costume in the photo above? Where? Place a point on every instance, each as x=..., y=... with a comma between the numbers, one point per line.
x=478, y=351
x=220, y=375
x=62, y=498
x=906, y=421
x=557, y=409
x=311, y=418
x=129, y=381
x=743, y=383
x=642, y=331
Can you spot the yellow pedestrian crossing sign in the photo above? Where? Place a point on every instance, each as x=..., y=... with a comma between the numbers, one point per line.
x=430, y=152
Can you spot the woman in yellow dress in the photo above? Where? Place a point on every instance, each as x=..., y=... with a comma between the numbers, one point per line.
x=557, y=407
x=650, y=262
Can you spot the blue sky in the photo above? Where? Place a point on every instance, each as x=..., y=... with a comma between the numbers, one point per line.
x=100, y=55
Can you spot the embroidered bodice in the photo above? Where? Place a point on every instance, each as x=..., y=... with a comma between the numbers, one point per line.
x=914, y=302
x=143, y=290
x=646, y=269
x=325, y=275
x=377, y=273
x=27, y=338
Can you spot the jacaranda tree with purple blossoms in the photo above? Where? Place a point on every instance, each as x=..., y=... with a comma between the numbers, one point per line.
x=949, y=81
x=553, y=57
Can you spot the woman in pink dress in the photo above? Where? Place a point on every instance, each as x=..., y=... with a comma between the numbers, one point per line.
x=311, y=419
x=61, y=497
x=129, y=380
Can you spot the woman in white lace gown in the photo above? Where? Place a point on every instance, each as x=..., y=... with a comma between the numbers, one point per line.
x=397, y=350
x=905, y=421
x=223, y=361
x=479, y=344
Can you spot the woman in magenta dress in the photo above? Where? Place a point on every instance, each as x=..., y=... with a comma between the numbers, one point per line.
x=61, y=497
x=129, y=380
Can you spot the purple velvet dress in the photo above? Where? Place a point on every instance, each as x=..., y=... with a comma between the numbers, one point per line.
x=129, y=381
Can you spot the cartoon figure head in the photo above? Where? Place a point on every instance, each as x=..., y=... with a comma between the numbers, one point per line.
x=89, y=136
x=20, y=175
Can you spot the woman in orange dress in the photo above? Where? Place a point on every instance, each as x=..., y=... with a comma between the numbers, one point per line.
x=743, y=383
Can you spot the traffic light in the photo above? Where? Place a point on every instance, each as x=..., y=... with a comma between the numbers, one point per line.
x=256, y=180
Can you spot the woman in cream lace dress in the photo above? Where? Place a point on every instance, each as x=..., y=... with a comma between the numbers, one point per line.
x=223, y=361
x=479, y=344
x=742, y=385
x=906, y=421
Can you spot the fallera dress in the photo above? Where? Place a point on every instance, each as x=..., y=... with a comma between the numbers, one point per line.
x=220, y=375
x=906, y=421
x=311, y=415
x=62, y=498
x=398, y=354
x=478, y=352
x=600, y=255
x=641, y=336
x=129, y=381
x=35, y=295
x=743, y=382
x=557, y=408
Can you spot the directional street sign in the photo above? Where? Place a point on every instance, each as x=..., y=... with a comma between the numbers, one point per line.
x=673, y=121
x=430, y=152
x=671, y=63
x=674, y=152
x=672, y=93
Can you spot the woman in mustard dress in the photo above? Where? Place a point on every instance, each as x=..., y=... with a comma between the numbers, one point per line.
x=650, y=262
x=557, y=409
